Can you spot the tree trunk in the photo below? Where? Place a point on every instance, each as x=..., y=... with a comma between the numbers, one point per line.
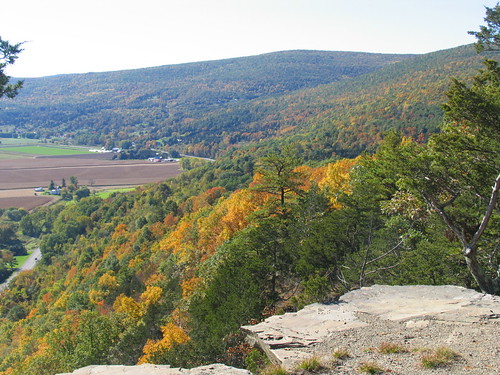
x=486, y=283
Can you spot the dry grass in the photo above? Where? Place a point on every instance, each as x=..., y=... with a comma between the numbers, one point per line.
x=341, y=353
x=439, y=357
x=391, y=348
x=371, y=368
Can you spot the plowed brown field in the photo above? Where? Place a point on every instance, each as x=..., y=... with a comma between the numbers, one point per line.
x=18, y=177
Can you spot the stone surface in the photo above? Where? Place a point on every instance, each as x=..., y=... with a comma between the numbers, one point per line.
x=148, y=369
x=369, y=316
x=419, y=318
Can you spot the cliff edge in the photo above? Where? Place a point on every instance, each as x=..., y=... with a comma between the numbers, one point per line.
x=363, y=323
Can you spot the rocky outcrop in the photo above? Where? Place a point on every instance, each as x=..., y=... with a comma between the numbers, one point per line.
x=148, y=369
x=418, y=316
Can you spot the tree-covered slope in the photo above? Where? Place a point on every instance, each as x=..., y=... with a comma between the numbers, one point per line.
x=344, y=117
x=333, y=103
x=162, y=99
x=168, y=273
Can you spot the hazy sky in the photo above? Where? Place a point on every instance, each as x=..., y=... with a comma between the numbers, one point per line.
x=76, y=36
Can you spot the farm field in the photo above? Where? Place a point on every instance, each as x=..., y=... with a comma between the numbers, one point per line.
x=41, y=150
x=18, y=177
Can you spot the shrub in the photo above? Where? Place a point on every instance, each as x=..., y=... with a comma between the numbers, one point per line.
x=255, y=361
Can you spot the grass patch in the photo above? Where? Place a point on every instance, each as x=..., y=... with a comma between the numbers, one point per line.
x=18, y=141
x=107, y=193
x=273, y=370
x=440, y=357
x=341, y=353
x=371, y=368
x=310, y=364
x=391, y=348
x=42, y=150
x=21, y=259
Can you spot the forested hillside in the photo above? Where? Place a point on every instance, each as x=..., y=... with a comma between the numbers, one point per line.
x=168, y=273
x=332, y=103
x=293, y=211
x=160, y=103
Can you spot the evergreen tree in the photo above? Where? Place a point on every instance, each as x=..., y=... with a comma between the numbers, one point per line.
x=8, y=55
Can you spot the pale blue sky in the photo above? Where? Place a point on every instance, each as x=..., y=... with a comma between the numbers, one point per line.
x=75, y=36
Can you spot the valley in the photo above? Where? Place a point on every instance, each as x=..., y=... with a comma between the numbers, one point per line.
x=315, y=174
x=19, y=177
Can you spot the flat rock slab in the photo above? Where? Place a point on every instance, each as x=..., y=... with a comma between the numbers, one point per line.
x=149, y=369
x=289, y=338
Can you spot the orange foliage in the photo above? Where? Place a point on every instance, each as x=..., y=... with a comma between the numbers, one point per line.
x=190, y=285
x=32, y=313
x=47, y=298
x=157, y=229
x=71, y=275
x=207, y=198
x=170, y=220
x=198, y=235
x=120, y=230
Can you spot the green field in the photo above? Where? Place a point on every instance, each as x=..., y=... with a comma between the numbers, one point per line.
x=106, y=193
x=18, y=141
x=12, y=150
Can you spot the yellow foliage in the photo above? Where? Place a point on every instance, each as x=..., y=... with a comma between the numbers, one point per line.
x=337, y=179
x=128, y=306
x=120, y=230
x=151, y=295
x=62, y=301
x=156, y=278
x=108, y=282
x=172, y=335
x=135, y=262
x=96, y=296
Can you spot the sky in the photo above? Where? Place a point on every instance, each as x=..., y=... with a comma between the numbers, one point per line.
x=76, y=36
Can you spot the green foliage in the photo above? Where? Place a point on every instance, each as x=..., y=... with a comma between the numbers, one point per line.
x=488, y=38
x=391, y=348
x=234, y=297
x=10, y=241
x=278, y=173
x=15, y=214
x=255, y=361
x=8, y=55
x=170, y=271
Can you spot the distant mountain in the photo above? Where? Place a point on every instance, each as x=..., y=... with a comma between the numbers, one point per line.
x=329, y=102
x=162, y=100
x=350, y=116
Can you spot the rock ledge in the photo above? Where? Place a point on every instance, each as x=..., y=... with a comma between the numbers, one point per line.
x=148, y=369
x=414, y=316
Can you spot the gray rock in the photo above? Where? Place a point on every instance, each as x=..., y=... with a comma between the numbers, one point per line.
x=149, y=369
x=287, y=339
